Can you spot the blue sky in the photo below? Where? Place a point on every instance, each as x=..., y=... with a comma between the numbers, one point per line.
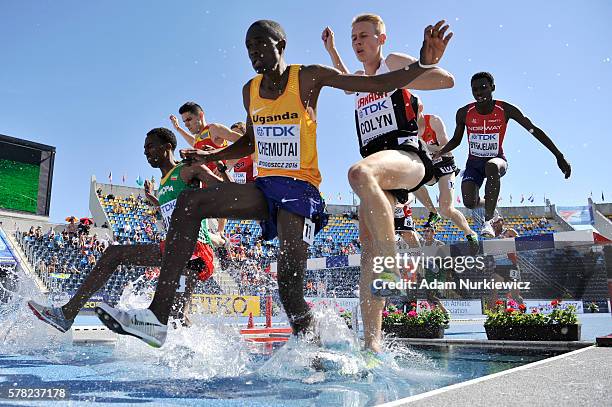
x=91, y=78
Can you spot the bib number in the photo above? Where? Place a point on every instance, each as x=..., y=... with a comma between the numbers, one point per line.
x=308, y=233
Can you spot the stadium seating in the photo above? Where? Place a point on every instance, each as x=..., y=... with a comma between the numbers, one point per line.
x=135, y=212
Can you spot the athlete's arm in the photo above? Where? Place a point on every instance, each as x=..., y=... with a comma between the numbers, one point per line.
x=457, y=137
x=148, y=188
x=434, y=45
x=514, y=113
x=330, y=45
x=219, y=133
x=188, y=137
x=436, y=78
x=438, y=126
x=199, y=172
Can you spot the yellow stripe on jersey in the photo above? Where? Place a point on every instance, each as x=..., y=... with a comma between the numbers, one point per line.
x=285, y=134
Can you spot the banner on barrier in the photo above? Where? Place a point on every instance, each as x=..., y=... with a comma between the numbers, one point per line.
x=458, y=308
x=545, y=307
x=227, y=304
x=348, y=304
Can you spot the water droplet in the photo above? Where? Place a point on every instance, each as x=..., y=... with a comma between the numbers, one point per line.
x=549, y=25
x=606, y=59
x=501, y=26
x=469, y=59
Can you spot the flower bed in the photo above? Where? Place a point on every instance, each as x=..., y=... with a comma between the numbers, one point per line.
x=511, y=321
x=424, y=321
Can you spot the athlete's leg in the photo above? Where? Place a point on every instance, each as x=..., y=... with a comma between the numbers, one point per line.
x=411, y=237
x=495, y=168
x=422, y=195
x=371, y=306
x=370, y=178
x=227, y=200
x=470, y=192
x=136, y=255
x=291, y=268
x=446, y=184
x=182, y=301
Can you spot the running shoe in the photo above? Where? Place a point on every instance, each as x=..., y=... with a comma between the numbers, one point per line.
x=140, y=323
x=487, y=229
x=372, y=359
x=432, y=220
x=51, y=315
x=380, y=287
x=473, y=238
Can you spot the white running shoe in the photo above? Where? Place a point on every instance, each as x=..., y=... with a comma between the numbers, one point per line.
x=487, y=229
x=141, y=323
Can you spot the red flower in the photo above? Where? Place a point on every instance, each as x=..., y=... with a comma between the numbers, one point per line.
x=554, y=303
x=509, y=309
x=522, y=307
x=499, y=302
x=412, y=314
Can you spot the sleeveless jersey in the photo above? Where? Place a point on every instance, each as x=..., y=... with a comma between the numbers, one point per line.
x=244, y=170
x=285, y=134
x=431, y=140
x=385, y=120
x=486, y=132
x=169, y=189
x=204, y=139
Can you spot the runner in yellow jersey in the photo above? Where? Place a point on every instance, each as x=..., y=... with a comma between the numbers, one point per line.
x=280, y=102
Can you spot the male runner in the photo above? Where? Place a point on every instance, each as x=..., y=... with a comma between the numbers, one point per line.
x=244, y=169
x=394, y=163
x=279, y=102
x=159, y=149
x=404, y=224
x=433, y=133
x=506, y=265
x=486, y=122
x=204, y=136
x=368, y=37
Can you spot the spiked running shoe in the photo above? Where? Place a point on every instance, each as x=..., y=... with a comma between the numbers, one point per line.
x=433, y=219
x=140, y=323
x=52, y=316
x=473, y=238
x=487, y=229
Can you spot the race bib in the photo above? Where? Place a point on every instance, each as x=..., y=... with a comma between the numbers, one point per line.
x=408, y=222
x=375, y=115
x=484, y=145
x=278, y=146
x=240, y=177
x=515, y=274
x=309, y=229
x=166, y=212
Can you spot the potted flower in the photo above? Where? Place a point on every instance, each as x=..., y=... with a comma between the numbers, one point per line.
x=424, y=321
x=347, y=316
x=511, y=321
x=592, y=307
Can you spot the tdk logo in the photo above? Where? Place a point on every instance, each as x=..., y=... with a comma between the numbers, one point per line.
x=483, y=137
x=373, y=108
x=278, y=131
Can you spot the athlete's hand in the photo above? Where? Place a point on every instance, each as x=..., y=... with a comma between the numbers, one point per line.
x=199, y=155
x=436, y=155
x=434, y=43
x=565, y=167
x=328, y=39
x=148, y=187
x=175, y=121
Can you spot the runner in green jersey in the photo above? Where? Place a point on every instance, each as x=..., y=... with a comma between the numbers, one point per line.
x=159, y=147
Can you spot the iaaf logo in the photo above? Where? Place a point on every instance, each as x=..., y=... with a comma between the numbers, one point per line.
x=278, y=131
x=274, y=118
x=369, y=99
x=373, y=108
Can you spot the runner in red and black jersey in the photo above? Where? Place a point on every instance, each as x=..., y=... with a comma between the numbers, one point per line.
x=486, y=122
